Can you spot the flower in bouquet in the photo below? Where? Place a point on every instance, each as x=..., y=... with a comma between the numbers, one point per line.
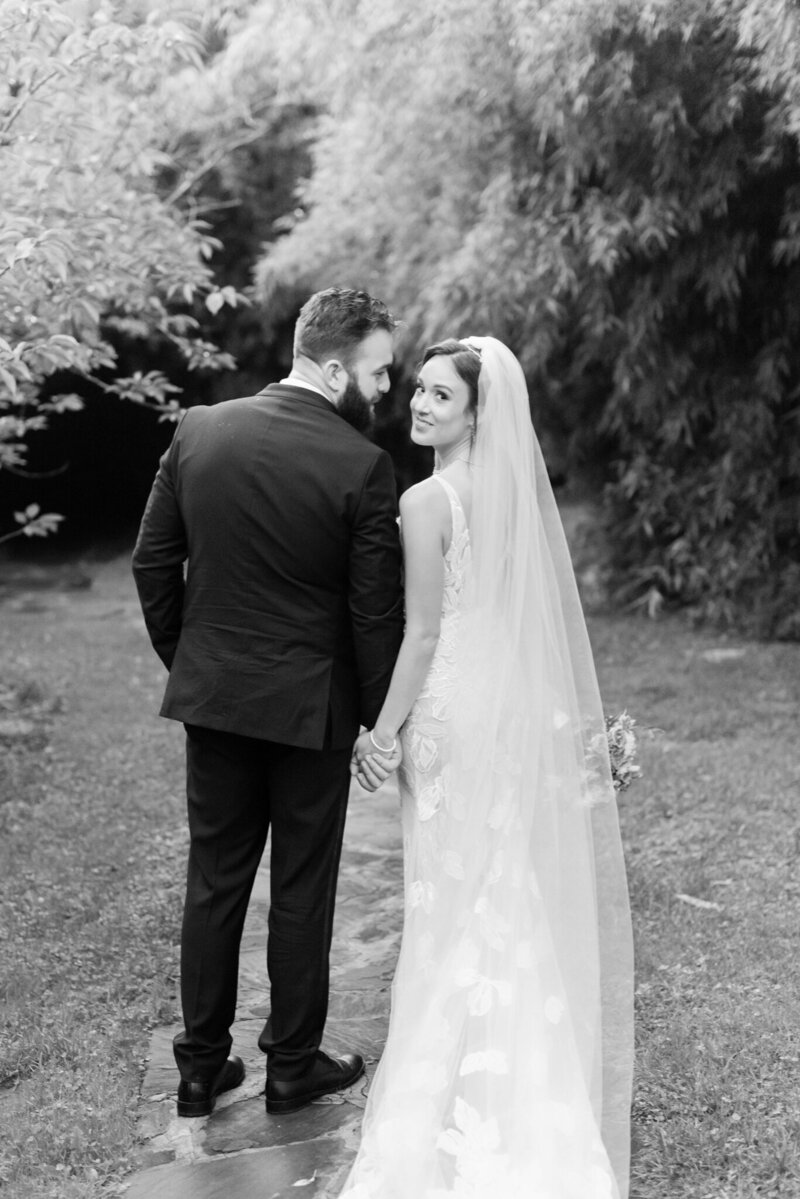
x=621, y=741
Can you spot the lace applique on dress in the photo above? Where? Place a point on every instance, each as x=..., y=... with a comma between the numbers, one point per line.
x=426, y=726
x=478, y=1094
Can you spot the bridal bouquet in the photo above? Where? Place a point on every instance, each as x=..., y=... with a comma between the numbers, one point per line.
x=622, y=750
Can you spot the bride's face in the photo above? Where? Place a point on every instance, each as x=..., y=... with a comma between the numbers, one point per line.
x=440, y=415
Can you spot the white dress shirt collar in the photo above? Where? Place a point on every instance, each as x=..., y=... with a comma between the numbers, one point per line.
x=295, y=380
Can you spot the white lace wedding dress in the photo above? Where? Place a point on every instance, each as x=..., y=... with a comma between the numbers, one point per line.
x=483, y=1090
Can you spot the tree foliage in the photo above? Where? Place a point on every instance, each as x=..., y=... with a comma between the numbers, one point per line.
x=239, y=129
x=612, y=188
x=91, y=250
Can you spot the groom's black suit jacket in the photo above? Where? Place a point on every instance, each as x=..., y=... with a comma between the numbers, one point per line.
x=288, y=621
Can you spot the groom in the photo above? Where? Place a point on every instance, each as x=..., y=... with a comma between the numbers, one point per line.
x=279, y=641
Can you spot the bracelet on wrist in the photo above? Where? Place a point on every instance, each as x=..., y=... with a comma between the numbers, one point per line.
x=383, y=749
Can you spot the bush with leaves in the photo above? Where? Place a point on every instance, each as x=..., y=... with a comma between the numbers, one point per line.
x=89, y=249
x=613, y=188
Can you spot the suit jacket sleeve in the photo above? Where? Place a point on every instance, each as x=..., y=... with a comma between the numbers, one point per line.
x=161, y=549
x=376, y=598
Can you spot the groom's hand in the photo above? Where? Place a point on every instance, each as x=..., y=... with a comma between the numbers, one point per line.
x=371, y=768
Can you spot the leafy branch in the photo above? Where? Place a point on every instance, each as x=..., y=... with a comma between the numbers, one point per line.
x=33, y=523
x=88, y=245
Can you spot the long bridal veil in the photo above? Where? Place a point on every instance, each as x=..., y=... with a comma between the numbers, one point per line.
x=508, y=1066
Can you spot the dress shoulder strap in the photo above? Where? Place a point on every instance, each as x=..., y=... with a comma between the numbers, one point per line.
x=457, y=513
x=450, y=492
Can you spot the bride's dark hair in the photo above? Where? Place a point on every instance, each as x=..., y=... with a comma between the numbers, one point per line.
x=466, y=362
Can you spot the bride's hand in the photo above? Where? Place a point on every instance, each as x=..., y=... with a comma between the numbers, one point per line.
x=370, y=767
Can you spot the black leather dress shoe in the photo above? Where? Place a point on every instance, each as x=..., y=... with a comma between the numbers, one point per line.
x=198, y=1098
x=328, y=1074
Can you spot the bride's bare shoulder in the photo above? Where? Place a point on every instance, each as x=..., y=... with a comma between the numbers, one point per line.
x=423, y=494
x=426, y=502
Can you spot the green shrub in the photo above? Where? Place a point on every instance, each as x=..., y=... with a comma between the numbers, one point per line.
x=614, y=190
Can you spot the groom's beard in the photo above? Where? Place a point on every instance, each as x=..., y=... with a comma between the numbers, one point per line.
x=355, y=408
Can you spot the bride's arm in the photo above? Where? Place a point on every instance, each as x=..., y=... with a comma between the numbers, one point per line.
x=425, y=513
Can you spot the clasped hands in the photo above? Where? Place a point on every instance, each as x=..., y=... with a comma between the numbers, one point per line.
x=371, y=766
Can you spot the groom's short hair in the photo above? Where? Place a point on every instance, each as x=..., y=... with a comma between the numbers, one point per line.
x=332, y=323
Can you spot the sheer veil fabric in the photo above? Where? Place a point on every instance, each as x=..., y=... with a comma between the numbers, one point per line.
x=507, y=1070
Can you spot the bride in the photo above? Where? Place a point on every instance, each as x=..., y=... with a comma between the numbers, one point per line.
x=507, y=1069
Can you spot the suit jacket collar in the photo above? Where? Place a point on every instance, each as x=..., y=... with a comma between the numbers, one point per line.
x=303, y=395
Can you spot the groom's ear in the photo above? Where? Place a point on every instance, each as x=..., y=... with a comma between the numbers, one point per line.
x=335, y=376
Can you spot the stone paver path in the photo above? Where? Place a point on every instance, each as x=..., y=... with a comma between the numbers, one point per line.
x=239, y=1152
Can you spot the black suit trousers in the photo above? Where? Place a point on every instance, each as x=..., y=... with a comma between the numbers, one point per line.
x=237, y=789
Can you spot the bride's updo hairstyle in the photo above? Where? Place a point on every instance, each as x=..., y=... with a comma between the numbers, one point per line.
x=466, y=362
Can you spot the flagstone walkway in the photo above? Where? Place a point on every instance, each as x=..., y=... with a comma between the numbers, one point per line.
x=239, y=1152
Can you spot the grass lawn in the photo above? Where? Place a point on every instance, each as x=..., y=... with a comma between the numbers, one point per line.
x=91, y=868
x=92, y=850
x=712, y=837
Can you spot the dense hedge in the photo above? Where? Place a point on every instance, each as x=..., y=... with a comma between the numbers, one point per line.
x=610, y=186
x=614, y=189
